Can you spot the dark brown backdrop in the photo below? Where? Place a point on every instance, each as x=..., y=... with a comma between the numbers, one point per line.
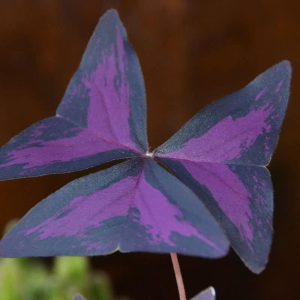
x=192, y=52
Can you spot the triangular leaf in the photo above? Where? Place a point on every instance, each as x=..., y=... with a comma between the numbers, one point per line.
x=134, y=206
x=101, y=117
x=242, y=128
x=219, y=155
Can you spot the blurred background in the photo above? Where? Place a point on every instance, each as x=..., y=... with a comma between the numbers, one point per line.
x=192, y=52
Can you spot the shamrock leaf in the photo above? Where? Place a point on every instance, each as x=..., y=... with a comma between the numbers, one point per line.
x=204, y=188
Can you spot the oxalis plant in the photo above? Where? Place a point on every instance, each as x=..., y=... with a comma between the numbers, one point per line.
x=205, y=189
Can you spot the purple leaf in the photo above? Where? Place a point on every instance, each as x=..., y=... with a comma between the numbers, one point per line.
x=208, y=294
x=242, y=128
x=133, y=206
x=240, y=198
x=101, y=117
x=220, y=155
x=55, y=145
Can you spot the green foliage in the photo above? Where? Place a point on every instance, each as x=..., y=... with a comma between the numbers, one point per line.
x=29, y=279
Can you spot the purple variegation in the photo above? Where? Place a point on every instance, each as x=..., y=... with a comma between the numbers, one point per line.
x=226, y=141
x=214, y=182
x=221, y=155
x=118, y=209
x=240, y=198
x=56, y=146
x=101, y=117
x=107, y=93
x=242, y=128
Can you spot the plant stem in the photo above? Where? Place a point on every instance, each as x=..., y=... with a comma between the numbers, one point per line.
x=178, y=275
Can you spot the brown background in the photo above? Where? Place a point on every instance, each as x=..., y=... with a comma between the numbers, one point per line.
x=192, y=52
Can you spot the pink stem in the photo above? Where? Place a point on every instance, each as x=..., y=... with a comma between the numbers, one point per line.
x=178, y=275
